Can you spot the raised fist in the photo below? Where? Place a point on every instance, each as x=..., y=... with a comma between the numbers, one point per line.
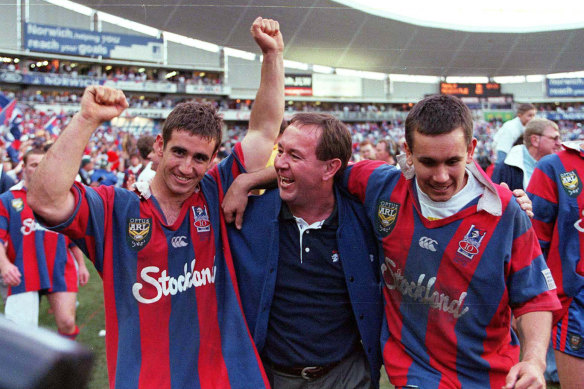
x=266, y=33
x=101, y=103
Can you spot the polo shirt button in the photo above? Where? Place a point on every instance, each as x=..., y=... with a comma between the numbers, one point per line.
x=307, y=249
x=351, y=279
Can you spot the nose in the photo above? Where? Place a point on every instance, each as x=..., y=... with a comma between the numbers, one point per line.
x=440, y=174
x=186, y=167
x=279, y=161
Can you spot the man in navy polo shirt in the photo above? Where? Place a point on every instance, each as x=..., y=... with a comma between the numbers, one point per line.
x=311, y=295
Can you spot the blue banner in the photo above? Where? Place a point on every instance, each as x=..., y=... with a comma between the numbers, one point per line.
x=555, y=116
x=86, y=43
x=565, y=87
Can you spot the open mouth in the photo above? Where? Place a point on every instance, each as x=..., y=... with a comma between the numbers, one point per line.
x=285, y=182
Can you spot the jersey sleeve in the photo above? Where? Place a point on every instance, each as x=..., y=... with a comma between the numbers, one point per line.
x=4, y=220
x=356, y=178
x=228, y=169
x=543, y=192
x=529, y=281
x=87, y=225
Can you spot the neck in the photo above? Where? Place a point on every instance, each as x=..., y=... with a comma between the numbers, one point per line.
x=169, y=203
x=319, y=208
x=534, y=154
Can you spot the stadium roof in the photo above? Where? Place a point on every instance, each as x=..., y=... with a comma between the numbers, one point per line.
x=329, y=33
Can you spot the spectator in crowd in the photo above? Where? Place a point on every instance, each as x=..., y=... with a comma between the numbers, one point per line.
x=541, y=137
x=186, y=334
x=366, y=150
x=34, y=260
x=558, y=204
x=103, y=175
x=386, y=150
x=454, y=243
x=511, y=130
x=145, y=146
x=311, y=298
x=133, y=170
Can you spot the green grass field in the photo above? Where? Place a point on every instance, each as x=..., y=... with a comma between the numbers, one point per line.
x=91, y=320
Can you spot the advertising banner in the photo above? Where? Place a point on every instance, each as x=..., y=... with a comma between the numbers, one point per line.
x=86, y=43
x=565, y=87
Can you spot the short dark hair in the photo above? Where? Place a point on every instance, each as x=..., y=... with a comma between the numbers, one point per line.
x=524, y=108
x=33, y=151
x=335, y=137
x=197, y=119
x=439, y=114
x=389, y=145
x=144, y=145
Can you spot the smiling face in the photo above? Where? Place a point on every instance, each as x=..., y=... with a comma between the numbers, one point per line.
x=439, y=162
x=302, y=176
x=184, y=159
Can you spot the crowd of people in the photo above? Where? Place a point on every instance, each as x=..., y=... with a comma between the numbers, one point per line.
x=383, y=243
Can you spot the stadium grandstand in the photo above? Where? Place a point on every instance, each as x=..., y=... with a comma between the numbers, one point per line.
x=365, y=65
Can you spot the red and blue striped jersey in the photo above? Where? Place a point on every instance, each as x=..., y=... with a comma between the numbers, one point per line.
x=558, y=204
x=173, y=312
x=451, y=284
x=42, y=256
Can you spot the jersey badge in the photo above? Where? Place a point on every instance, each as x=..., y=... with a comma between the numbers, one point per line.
x=571, y=183
x=387, y=213
x=17, y=204
x=469, y=246
x=139, y=232
x=335, y=256
x=201, y=219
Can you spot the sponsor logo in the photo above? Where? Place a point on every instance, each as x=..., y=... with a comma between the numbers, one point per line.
x=166, y=285
x=571, y=183
x=469, y=246
x=578, y=224
x=420, y=291
x=179, y=241
x=29, y=226
x=139, y=232
x=11, y=77
x=575, y=342
x=387, y=213
x=428, y=243
x=201, y=219
x=17, y=204
x=335, y=256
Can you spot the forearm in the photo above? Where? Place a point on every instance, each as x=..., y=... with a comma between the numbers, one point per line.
x=265, y=178
x=49, y=190
x=534, y=334
x=268, y=108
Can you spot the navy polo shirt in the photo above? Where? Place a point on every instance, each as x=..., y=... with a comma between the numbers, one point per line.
x=311, y=319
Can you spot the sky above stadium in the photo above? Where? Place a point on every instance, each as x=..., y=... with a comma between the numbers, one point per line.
x=479, y=16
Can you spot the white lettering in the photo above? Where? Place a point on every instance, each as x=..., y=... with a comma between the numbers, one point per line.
x=394, y=279
x=29, y=226
x=166, y=285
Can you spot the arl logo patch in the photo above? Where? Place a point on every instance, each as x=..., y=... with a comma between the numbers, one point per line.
x=201, y=219
x=139, y=232
x=468, y=247
x=387, y=213
x=17, y=204
x=571, y=183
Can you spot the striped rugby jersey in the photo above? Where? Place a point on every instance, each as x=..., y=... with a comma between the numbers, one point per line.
x=42, y=256
x=558, y=204
x=451, y=284
x=173, y=312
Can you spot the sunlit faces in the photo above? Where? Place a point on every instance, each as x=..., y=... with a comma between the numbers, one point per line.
x=548, y=142
x=367, y=152
x=301, y=175
x=32, y=162
x=183, y=161
x=439, y=162
x=526, y=116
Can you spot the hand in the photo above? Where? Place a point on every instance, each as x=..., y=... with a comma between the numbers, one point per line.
x=266, y=33
x=101, y=103
x=11, y=275
x=525, y=375
x=234, y=203
x=83, y=275
x=522, y=199
x=131, y=180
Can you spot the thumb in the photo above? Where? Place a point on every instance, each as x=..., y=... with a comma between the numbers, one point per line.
x=504, y=185
x=239, y=219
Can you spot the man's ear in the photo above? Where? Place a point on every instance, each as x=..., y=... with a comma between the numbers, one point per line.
x=332, y=166
x=409, y=155
x=158, y=145
x=470, y=150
